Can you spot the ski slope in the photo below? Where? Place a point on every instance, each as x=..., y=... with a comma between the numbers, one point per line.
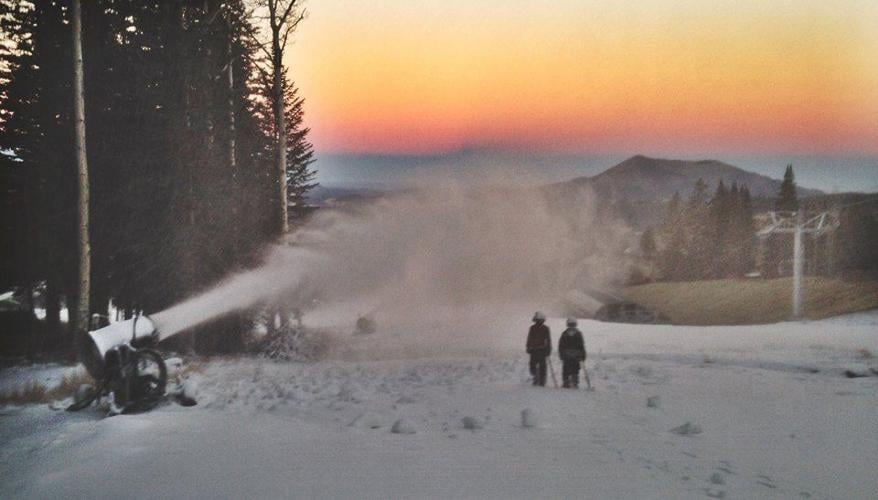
x=771, y=414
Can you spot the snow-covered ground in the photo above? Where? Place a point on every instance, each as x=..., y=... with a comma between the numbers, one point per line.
x=771, y=414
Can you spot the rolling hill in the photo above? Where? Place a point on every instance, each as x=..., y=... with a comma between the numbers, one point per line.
x=636, y=188
x=640, y=178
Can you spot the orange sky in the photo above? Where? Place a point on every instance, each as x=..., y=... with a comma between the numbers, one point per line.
x=656, y=76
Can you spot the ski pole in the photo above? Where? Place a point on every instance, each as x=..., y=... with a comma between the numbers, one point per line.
x=587, y=380
x=552, y=371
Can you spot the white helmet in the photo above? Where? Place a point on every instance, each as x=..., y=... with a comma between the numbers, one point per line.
x=571, y=321
x=539, y=316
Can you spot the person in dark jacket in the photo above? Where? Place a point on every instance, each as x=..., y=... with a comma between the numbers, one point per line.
x=539, y=346
x=571, y=349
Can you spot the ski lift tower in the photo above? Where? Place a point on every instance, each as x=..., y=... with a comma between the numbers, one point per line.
x=793, y=222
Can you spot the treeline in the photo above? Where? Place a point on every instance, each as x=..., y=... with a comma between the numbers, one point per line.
x=186, y=176
x=714, y=236
x=706, y=237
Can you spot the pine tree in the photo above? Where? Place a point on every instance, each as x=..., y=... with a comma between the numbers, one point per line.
x=786, y=198
x=647, y=243
x=673, y=213
x=718, y=231
x=746, y=235
x=300, y=155
x=673, y=260
x=649, y=248
x=700, y=241
x=37, y=128
x=181, y=160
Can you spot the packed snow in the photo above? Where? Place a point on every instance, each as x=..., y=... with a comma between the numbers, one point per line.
x=678, y=412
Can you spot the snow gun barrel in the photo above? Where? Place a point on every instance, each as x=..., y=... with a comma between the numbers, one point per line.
x=94, y=347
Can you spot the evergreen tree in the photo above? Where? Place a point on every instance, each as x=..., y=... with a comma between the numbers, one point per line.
x=673, y=213
x=745, y=233
x=300, y=155
x=718, y=231
x=856, y=243
x=786, y=198
x=649, y=248
x=700, y=242
x=180, y=150
x=647, y=243
x=37, y=131
x=673, y=260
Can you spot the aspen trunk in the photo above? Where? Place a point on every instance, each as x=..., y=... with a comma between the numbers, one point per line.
x=80, y=318
x=281, y=128
x=232, y=147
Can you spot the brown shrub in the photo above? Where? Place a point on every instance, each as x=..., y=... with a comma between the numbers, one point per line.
x=34, y=392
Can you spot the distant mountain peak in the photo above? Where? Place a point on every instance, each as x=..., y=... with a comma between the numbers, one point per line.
x=644, y=178
x=637, y=187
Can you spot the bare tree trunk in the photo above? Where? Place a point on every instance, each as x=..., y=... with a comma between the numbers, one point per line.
x=280, y=123
x=283, y=19
x=33, y=340
x=80, y=318
x=232, y=146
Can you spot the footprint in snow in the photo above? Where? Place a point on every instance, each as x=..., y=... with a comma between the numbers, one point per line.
x=766, y=481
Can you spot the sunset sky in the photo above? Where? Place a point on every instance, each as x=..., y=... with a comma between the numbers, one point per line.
x=673, y=77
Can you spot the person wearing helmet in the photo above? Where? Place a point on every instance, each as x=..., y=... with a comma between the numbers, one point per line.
x=571, y=349
x=539, y=346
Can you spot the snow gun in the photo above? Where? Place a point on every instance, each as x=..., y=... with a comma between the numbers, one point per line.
x=120, y=360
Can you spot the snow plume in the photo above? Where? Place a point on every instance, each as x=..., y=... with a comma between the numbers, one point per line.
x=430, y=255
x=283, y=268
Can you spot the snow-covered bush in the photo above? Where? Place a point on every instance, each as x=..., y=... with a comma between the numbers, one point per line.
x=403, y=426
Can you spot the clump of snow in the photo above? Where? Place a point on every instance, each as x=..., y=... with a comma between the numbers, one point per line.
x=403, y=426
x=858, y=370
x=528, y=418
x=471, y=423
x=687, y=429
x=190, y=388
x=369, y=420
x=348, y=393
x=83, y=393
x=653, y=402
x=175, y=366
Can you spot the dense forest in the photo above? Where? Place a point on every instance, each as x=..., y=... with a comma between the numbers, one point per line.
x=716, y=236
x=706, y=237
x=191, y=170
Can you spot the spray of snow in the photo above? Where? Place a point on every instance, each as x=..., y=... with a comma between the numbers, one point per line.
x=433, y=254
x=282, y=268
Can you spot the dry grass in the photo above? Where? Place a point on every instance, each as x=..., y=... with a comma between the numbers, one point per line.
x=738, y=302
x=35, y=392
x=191, y=367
